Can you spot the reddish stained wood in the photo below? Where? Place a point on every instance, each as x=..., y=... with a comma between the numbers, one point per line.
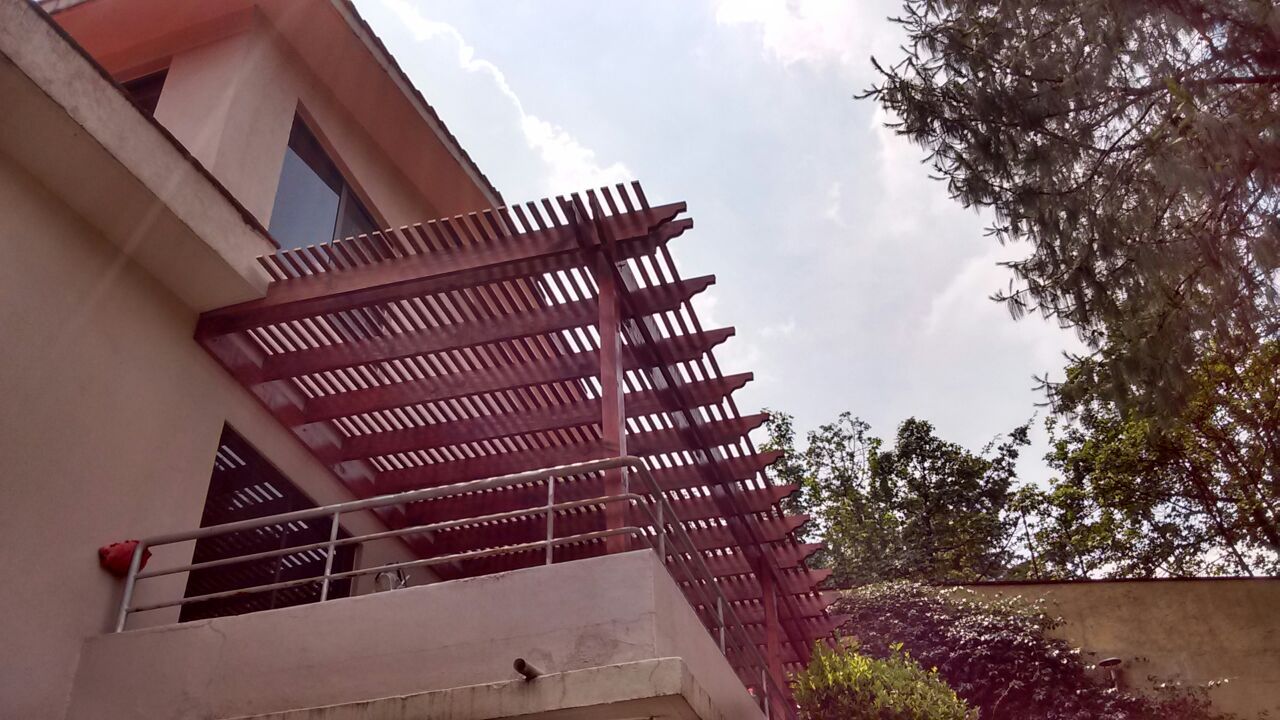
x=738, y=468
x=795, y=581
x=673, y=479
x=808, y=605
x=487, y=466
x=772, y=529
x=713, y=434
x=587, y=412
x=813, y=627
x=524, y=255
x=788, y=556
x=746, y=608
x=742, y=527
x=540, y=321
x=486, y=503
x=480, y=381
x=613, y=426
x=445, y=473
x=523, y=530
x=772, y=635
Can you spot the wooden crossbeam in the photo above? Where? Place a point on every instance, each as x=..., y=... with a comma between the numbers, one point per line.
x=714, y=434
x=523, y=255
x=447, y=473
x=522, y=530
x=567, y=489
x=574, y=366
x=593, y=231
x=793, y=581
x=813, y=627
x=486, y=466
x=476, y=504
x=587, y=412
x=539, y=321
x=788, y=556
x=772, y=529
x=807, y=605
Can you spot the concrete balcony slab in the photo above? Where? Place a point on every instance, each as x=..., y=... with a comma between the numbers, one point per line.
x=584, y=615
x=660, y=689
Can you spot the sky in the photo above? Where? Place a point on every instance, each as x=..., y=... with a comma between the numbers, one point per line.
x=854, y=282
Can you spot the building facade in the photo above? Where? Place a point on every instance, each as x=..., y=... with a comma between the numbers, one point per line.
x=252, y=287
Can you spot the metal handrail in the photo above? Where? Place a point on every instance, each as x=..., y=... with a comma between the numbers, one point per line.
x=698, y=580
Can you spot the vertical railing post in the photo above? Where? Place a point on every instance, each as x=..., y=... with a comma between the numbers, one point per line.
x=720, y=620
x=131, y=579
x=764, y=692
x=551, y=517
x=328, y=558
x=662, y=531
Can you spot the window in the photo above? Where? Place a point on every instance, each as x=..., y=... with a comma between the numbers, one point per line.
x=314, y=204
x=245, y=486
x=145, y=90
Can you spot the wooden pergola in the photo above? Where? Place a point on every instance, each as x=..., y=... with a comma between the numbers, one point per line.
x=521, y=338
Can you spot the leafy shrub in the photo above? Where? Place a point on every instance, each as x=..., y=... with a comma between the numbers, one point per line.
x=997, y=656
x=845, y=685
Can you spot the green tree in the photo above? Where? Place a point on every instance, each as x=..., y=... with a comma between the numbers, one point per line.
x=1196, y=494
x=846, y=685
x=998, y=656
x=924, y=508
x=1133, y=145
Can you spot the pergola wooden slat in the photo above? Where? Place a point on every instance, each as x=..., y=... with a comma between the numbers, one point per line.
x=522, y=338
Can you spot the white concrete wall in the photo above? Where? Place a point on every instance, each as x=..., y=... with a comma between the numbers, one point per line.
x=110, y=417
x=232, y=102
x=571, y=616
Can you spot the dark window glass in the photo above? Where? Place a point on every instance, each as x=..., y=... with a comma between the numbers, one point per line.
x=313, y=202
x=244, y=486
x=145, y=91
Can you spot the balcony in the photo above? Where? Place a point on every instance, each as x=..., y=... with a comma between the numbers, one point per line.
x=612, y=634
x=641, y=631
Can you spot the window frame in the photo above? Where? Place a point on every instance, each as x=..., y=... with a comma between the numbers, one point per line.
x=348, y=193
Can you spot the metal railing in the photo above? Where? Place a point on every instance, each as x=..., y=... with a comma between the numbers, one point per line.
x=665, y=534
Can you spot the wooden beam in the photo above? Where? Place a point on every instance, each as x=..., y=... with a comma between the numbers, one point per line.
x=491, y=427
x=613, y=418
x=564, y=368
x=688, y=420
x=586, y=520
x=540, y=321
x=523, y=255
x=487, y=466
x=487, y=503
x=713, y=434
x=772, y=635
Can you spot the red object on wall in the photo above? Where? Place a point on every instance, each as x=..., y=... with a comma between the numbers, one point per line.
x=115, y=557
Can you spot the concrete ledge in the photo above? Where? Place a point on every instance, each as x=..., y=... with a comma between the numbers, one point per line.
x=583, y=615
x=73, y=130
x=659, y=688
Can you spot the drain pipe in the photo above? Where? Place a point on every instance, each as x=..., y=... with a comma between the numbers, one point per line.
x=526, y=669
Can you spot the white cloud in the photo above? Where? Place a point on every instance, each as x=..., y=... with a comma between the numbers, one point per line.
x=834, y=209
x=819, y=33
x=569, y=165
x=780, y=330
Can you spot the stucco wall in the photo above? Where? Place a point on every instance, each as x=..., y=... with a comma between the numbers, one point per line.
x=570, y=616
x=1187, y=631
x=232, y=102
x=238, y=69
x=108, y=427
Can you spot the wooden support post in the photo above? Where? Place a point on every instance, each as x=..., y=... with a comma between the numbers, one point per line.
x=612, y=413
x=772, y=633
